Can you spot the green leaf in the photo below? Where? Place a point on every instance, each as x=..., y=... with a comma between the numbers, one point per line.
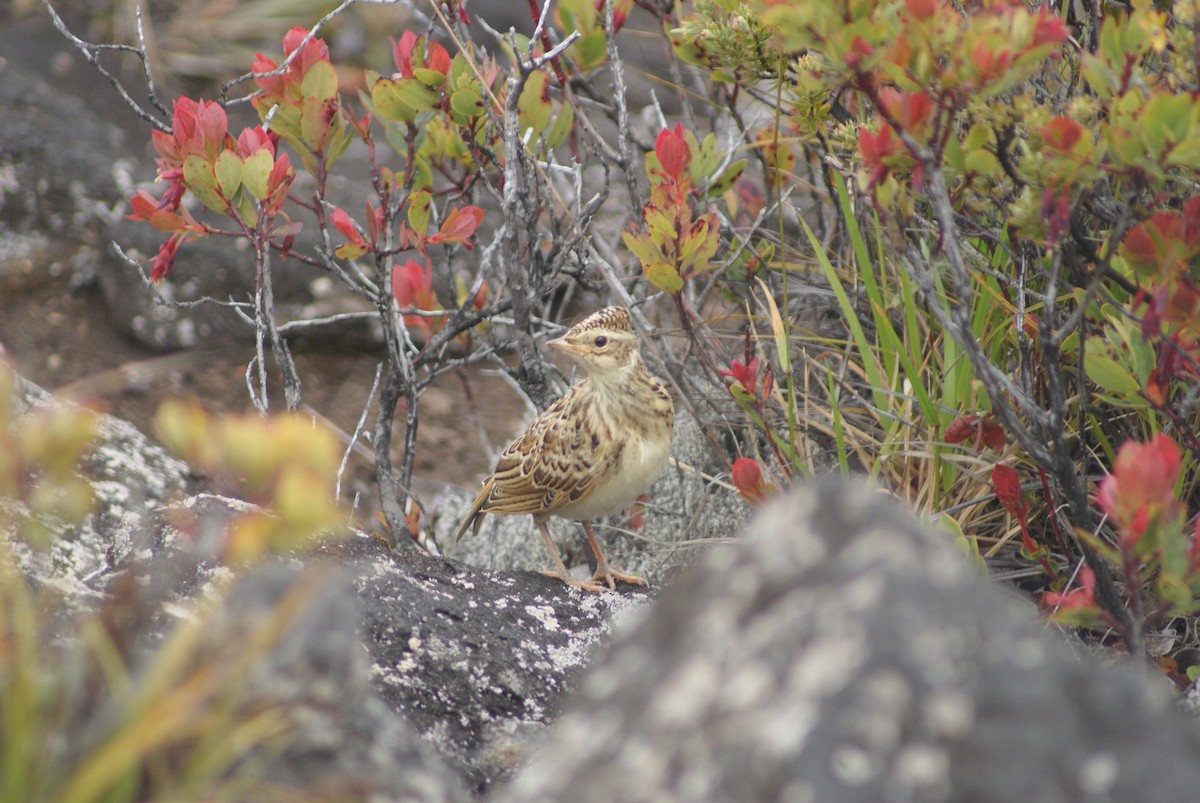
x=229, y=173
x=643, y=247
x=428, y=77
x=286, y=123
x=418, y=211
x=343, y=136
x=1109, y=375
x=660, y=225
x=247, y=210
x=320, y=82
x=729, y=175
x=534, y=105
x=401, y=101
x=700, y=245
x=982, y=163
x=315, y=124
x=664, y=277
x=422, y=175
x=199, y=178
x=466, y=103
x=704, y=158
x=564, y=121
x=256, y=171
x=590, y=50
x=386, y=99
x=1166, y=120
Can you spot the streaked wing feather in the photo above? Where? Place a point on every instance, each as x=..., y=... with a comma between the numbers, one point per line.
x=550, y=466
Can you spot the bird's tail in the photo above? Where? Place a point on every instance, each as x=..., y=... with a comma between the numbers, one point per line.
x=473, y=519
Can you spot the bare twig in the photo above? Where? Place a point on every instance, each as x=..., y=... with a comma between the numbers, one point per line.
x=92, y=53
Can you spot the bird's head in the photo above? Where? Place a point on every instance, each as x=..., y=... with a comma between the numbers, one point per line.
x=603, y=344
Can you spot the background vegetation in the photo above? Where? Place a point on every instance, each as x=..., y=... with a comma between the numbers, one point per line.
x=951, y=247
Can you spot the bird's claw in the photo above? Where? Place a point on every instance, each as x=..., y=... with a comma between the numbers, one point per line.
x=575, y=582
x=606, y=575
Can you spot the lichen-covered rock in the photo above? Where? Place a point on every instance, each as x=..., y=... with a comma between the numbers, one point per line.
x=130, y=478
x=349, y=744
x=843, y=652
x=479, y=662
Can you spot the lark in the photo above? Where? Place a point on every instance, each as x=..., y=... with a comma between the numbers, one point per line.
x=591, y=453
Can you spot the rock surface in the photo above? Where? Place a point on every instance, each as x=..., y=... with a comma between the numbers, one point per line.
x=843, y=653
x=479, y=662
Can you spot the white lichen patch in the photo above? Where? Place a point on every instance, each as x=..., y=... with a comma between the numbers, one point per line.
x=545, y=615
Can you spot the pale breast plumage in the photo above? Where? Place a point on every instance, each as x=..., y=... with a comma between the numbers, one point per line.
x=595, y=450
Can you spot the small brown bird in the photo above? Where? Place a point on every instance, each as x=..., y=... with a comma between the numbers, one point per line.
x=591, y=453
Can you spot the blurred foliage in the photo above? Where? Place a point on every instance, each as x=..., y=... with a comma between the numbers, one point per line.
x=284, y=465
x=40, y=489
x=108, y=704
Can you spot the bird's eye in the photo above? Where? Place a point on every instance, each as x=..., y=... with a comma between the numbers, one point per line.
x=601, y=341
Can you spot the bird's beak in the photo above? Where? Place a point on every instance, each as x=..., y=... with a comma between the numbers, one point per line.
x=560, y=343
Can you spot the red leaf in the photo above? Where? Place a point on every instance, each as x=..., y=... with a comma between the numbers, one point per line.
x=164, y=261
x=1141, y=485
x=909, y=109
x=744, y=375
x=436, y=58
x=255, y=139
x=672, y=151
x=1007, y=484
x=1082, y=597
x=860, y=50
x=876, y=147
x=459, y=225
x=402, y=53
x=748, y=479
x=1048, y=28
x=412, y=287
x=992, y=435
x=921, y=9
x=1061, y=134
x=961, y=428
x=273, y=85
x=345, y=225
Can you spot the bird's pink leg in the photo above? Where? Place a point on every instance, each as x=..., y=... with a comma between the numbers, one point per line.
x=603, y=573
x=561, y=574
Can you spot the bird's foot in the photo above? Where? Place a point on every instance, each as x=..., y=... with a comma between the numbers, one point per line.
x=606, y=575
x=575, y=582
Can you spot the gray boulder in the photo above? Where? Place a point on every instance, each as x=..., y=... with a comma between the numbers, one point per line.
x=844, y=653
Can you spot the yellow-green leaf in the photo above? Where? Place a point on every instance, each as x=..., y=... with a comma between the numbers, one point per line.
x=534, y=105
x=418, y=211
x=315, y=124
x=256, y=170
x=199, y=178
x=466, y=102
x=320, y=82
x=428, y=77
x=644, y=248
x=664, y=277
x=564, y=121
x=229, y=173
x=1109, y=375
x=349, y=251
